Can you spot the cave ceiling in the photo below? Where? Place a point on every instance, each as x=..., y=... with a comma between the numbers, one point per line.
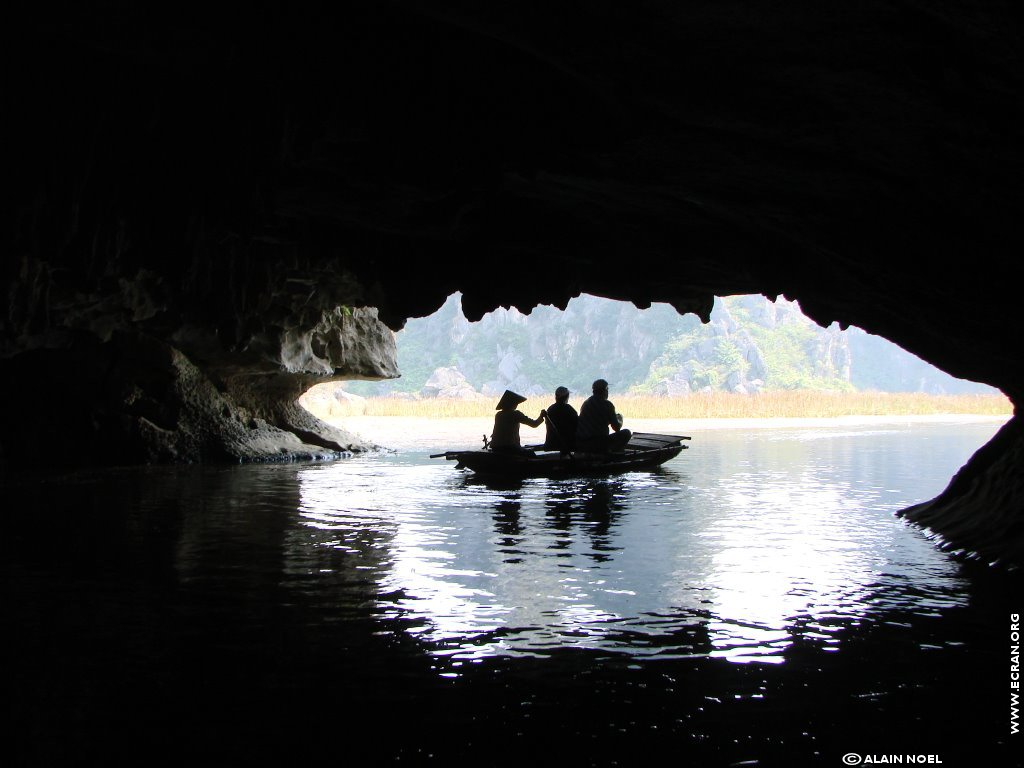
x=863, y=159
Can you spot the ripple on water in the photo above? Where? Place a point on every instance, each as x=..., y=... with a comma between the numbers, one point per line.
x=736, y=549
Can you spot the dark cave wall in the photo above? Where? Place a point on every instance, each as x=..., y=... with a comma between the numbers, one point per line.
x=216, y=185
x=849, y=158
x=979, y=513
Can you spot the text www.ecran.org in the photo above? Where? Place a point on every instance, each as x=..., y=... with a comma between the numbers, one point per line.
x=1014, y=672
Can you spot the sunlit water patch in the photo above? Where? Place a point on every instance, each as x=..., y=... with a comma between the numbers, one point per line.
x=744, y=542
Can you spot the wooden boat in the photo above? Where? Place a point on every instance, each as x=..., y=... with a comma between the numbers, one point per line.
x=645, y=450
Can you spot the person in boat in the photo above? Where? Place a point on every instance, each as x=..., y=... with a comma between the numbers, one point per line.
x=505, y=436
x=597, y=415
x=561, y=420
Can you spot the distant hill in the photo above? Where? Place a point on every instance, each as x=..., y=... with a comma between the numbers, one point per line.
x=751, y=344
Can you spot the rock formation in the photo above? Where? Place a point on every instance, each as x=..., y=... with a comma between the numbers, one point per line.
x=750, y=344
x=207, y=189
x=448, y=382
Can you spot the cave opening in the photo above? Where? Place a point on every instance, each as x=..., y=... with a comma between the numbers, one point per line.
x=756, y=363
x=755, y=358
x=821, y=489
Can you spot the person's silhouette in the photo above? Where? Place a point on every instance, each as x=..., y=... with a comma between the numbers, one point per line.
x=561, y=421
x=596, y=416
x=505, y=436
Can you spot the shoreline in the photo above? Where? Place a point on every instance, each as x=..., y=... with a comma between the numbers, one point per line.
x=763, y=422
x=431, y=432
x=322, y=400
x=722, y=422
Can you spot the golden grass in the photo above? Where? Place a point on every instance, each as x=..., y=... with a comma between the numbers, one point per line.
x=717, y=405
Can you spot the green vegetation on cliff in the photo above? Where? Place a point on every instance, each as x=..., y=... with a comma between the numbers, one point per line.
x=750, y=345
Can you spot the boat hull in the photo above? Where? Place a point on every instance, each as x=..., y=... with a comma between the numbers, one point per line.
x=645, y=451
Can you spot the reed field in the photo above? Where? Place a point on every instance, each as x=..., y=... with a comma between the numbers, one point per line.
x=713, y=405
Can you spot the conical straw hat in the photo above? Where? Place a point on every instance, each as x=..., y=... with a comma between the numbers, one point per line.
x=509, y=400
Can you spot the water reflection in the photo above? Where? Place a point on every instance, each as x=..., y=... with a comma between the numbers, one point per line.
x=240, y=614
x=815, y=557
x=592, y=507
x=737, y=551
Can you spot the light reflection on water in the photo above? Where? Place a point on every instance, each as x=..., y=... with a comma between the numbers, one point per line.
x=744, y=543
x=393, y=608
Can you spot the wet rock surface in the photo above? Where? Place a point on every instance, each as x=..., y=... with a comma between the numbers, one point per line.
x=979, y=512
x=135, y=398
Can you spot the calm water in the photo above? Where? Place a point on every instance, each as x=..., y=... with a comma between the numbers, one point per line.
x=755, y=599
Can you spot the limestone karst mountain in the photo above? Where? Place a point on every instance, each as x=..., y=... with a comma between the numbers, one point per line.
x=750, y=344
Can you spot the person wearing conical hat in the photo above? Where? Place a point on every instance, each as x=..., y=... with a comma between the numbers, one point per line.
x=505, y=436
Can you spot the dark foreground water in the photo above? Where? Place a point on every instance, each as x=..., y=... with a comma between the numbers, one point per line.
x=754, y=602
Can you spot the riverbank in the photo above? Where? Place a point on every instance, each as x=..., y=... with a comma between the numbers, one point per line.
x=328, y=401
x=424, y=432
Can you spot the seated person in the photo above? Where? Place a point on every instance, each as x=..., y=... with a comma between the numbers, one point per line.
x=561, y=421
x=596, y=416
x=505, y=436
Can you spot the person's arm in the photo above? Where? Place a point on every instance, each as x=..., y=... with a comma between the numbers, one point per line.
x=613, y=417
x=524, y=419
